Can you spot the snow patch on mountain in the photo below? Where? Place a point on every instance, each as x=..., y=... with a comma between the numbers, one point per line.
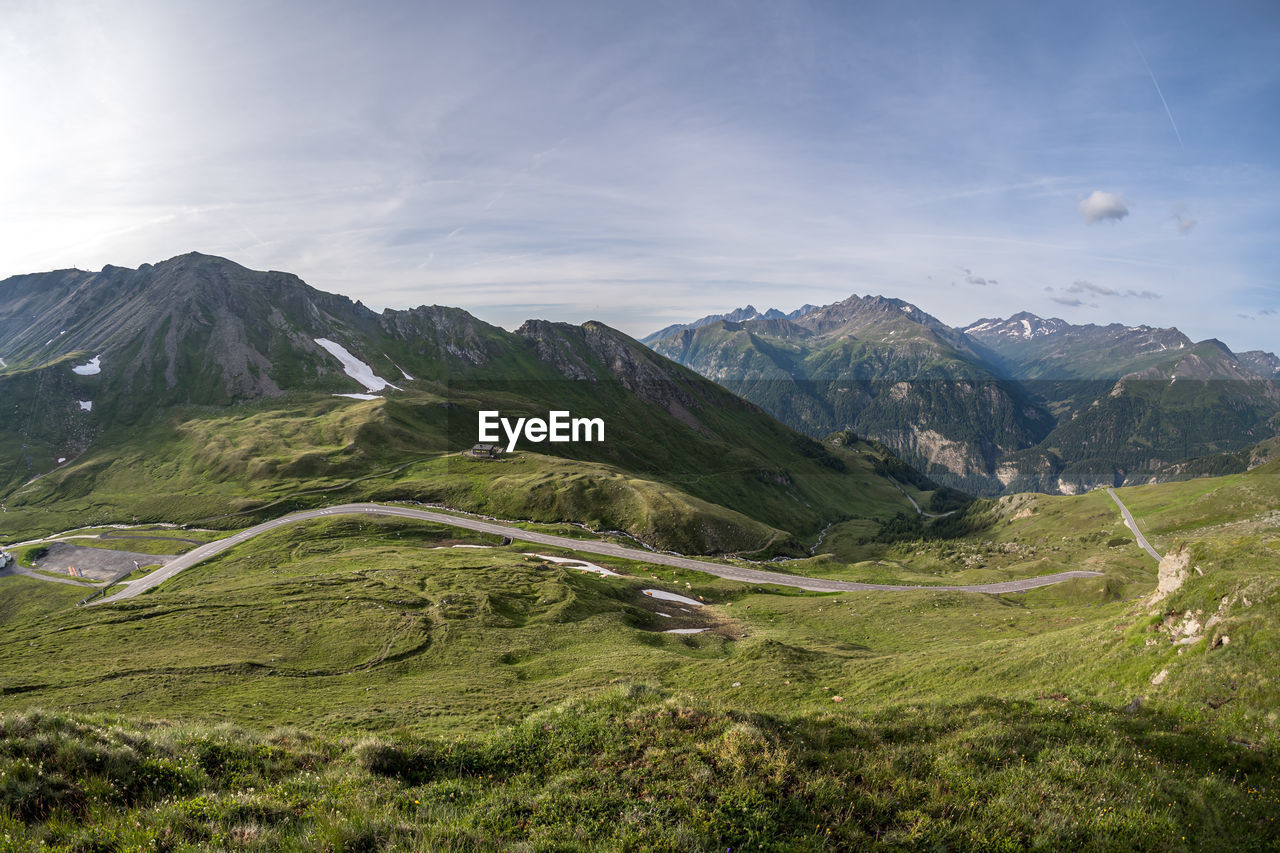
x=355, y=368
x=1024, y=326
x=85, y=405
x=580, y=565
x=670, y=596
x=90, y=368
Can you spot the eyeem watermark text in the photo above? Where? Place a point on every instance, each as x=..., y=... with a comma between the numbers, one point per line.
x=558, y=427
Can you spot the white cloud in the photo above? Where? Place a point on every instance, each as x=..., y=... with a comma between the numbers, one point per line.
x=1099, y=205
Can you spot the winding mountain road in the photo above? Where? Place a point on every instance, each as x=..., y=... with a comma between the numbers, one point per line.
x=1133, y=525
x=606, y=549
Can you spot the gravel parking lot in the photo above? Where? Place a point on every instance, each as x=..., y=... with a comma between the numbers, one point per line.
x=94, y=563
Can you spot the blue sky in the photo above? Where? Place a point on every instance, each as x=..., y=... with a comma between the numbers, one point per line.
x=646, y=163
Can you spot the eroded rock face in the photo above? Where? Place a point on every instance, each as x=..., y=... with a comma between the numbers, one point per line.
x=956, y=456
x=1173, y=571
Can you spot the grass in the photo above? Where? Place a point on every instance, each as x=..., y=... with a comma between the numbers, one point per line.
x=719, y=488
x=636, y=769
x=27, y=600
x=143, y=545
x=1070, y=717
x=27, y=555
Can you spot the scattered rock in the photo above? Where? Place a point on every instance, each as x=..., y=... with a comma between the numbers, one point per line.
x=1173, y=571
x=1160, y=676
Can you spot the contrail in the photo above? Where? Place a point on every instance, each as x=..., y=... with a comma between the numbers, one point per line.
x=1167, y=111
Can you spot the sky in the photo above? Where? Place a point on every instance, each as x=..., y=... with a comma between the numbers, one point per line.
x=644, y=163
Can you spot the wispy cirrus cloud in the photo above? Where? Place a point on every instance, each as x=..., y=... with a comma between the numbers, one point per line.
x=646, y=164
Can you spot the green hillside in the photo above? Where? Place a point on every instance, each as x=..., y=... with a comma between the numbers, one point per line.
x=1076, y=715
x=214, y=393
x=363, y=684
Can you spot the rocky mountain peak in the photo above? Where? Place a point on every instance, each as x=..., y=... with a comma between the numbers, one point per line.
x=1023, y=325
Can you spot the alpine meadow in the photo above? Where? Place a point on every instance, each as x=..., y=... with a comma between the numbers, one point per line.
x=967, y=539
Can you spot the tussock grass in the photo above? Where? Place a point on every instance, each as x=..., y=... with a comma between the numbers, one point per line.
x=637, y=769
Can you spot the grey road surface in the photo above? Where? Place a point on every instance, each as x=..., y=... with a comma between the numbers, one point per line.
x=607, y=549
x=1133, y=525
x=918, y=510
x=27, y=573
x=97, y=564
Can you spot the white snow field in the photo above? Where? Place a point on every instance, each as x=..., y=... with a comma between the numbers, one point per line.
x=91, y=368
x=355, y=368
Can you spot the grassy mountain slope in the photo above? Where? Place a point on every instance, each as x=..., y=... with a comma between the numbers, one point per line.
x=213, y=396
x=1074, y=715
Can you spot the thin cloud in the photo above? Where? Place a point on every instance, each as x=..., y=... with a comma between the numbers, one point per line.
x=1098, y=290
x=980, y=281
x=1071, y=295
x=1099, y=205
x=1090, y=287
x=645, y=177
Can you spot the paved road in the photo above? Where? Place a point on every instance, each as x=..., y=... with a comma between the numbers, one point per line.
x=1133, y=525
x=27, y=573
x=919, y=511
x=607, y=549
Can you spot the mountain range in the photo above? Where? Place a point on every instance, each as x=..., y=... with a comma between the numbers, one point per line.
x=1017, y=404
x=177, y=388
